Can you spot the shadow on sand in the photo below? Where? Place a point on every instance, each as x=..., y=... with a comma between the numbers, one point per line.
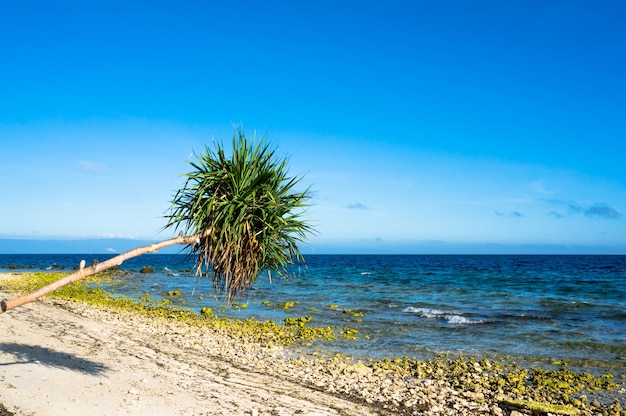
x=25, y=354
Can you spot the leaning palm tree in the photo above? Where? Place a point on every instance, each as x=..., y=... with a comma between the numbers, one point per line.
x=244, y=210
x=237, y=215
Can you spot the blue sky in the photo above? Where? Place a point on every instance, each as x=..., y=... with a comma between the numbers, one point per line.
x=422, y=127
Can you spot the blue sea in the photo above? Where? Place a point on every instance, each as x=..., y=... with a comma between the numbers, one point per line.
x=531, y=308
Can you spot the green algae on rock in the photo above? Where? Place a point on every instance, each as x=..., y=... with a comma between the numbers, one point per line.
x=543, y=408
x=394, y=383
x=265, y=333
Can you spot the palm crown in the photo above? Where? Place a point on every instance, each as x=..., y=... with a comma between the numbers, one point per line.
x=245, y=211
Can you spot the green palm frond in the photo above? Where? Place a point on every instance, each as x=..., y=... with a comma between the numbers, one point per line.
x=245, y=211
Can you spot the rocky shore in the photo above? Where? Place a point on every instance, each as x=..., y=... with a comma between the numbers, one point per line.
x=447, y=387
x=185, y=358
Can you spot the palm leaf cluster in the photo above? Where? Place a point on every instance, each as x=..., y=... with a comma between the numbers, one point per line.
x=244, y=210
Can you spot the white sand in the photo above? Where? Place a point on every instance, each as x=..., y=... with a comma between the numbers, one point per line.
x=54, y=361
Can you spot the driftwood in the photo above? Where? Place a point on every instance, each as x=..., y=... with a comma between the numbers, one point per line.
x=95, y=268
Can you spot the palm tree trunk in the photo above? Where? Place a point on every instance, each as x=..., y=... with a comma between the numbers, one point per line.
x=95, y=268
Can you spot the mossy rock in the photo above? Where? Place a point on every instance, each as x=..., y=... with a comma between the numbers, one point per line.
x=349, y=333
x=539, y=408
x=4, y=411
x=265, y=333
x=298, y=321
x=147, y=270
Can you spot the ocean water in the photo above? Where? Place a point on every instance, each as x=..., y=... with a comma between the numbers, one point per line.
x=531, y=308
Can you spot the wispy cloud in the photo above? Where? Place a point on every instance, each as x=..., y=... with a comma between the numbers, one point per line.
x=91, y=166
x=514, y=214
x=120, y=236
x=602, y=211
x=358, y=205
x=539, y=187
x=111, y=250
x=556, y=214
x=575, y=208
x=597, y=210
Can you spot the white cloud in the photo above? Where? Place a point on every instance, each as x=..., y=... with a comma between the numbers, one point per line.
x=358, y=205
x=602, y=211
x=91, y=166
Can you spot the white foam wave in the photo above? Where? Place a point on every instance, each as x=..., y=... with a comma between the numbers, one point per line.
x=170, y=272
x=424, y=312
x=460, y=320
x=451, y=318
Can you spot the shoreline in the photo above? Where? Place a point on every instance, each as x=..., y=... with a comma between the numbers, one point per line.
x=123, y=363
x=64, y=357
x=462, y=306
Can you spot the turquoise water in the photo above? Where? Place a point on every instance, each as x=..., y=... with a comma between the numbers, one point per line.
x=532, y=308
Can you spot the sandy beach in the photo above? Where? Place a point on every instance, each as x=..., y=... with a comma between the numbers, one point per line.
x=88, y=362
x=66, y=357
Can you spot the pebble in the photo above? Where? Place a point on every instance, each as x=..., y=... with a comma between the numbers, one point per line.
x=388, y=390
